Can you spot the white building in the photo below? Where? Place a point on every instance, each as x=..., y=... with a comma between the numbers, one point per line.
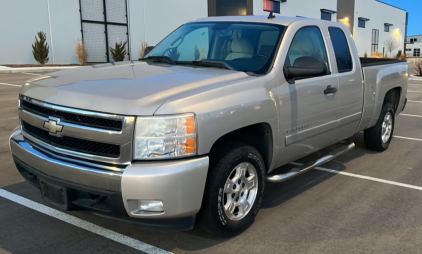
x=102, y=23
x=413, y=49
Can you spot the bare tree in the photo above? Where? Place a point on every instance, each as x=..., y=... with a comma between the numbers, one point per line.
x=391, y=44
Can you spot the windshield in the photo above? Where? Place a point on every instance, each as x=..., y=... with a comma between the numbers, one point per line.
x=248, y=47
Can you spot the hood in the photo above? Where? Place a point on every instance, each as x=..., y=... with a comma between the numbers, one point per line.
x=126, y=88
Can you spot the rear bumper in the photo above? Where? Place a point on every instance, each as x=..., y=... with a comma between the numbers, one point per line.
x=178, y=184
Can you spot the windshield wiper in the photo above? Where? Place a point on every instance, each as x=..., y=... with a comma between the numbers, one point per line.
x=207, y=63
x=165, y=59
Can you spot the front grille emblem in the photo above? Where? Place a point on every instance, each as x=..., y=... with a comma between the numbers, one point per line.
x=53, y=127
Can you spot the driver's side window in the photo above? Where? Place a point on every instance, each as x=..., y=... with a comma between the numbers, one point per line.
x=308, y=41
x=194, y=47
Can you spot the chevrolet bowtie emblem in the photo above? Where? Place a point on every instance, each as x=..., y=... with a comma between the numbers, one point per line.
x=53, y=126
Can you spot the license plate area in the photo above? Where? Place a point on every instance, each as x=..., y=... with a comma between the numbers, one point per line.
x=54, y=195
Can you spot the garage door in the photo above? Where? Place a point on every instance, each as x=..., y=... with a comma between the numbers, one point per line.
x=104, y=23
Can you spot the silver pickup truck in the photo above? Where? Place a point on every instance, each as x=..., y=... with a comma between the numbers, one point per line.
x=197, y=127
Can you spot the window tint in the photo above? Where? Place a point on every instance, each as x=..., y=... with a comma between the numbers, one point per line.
x=308, y=41
x=361, y=23
x=326, y=16
x=341, y=49
x=195, y=45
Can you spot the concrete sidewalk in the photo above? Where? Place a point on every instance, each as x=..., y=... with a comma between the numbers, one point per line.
x=4, y=69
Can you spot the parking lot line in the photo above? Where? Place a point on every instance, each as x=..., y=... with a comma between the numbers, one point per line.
x=9, y=84
x=415, y=101
x=27, y=73
x=364, y=177
x=415, y=139
x=109, y=234
x=410, y=115
x=414, y=91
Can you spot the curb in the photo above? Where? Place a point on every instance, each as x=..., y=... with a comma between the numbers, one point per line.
x=36, y=69
x=413, y=77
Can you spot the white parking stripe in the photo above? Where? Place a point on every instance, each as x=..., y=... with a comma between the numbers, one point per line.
x=415, y=139
x=415, y=101
x=364, y=177
x=27, y=73
x=410, y=115
x=9, y=84
x=114, y=236
x=414, y=91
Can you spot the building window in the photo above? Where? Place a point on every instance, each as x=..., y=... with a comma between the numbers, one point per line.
x=408, y=49
x=374, y=41
x=411, y=40
x=361, y=23
x=417, y=52
x=415, y=40
x=326, y=16
x=386, y=28
x=230, y=8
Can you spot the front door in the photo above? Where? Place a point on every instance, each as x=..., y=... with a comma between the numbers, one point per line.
x=308, y=117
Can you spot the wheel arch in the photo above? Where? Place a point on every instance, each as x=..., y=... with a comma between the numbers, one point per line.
x=259, y=135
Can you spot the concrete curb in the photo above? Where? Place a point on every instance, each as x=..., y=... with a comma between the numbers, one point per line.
x=414, y=77
x=36, y=69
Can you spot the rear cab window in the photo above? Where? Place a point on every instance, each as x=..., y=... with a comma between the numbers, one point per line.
x=341, y=50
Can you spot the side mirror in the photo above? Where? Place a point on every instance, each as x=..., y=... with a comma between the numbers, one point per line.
x=148, y=49
x=306, y=67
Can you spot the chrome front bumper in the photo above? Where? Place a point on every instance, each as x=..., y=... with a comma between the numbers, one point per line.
x=179, y=184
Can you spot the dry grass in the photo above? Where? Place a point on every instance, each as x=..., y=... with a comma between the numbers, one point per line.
x=81, y=53
x=144, y=46
x=377, y=54
x=418, y=68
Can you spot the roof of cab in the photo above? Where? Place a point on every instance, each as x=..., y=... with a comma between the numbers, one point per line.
x=281, y=20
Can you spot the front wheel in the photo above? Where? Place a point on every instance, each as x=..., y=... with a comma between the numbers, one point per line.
x=234, y=191
x=378, y=137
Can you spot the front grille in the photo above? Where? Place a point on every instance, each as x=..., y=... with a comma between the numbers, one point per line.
x=74, y=144
x=106, y=124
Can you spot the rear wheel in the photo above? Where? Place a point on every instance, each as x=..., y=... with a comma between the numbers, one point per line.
x=378, y=138
x=234, y=191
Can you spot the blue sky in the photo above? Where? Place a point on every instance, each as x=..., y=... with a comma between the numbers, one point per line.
x=413, y=7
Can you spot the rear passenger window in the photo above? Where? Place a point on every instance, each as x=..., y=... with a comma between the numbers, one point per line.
x=341, y=49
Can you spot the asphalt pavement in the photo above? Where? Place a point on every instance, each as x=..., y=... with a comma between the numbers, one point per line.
x=363, y=202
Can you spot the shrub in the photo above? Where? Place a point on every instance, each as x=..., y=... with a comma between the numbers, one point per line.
x=40, y=48
x=377, y=54
x=365, y=55
x=398, y=54
x=119, y=52
x=386, y=55
x=418, y=68
x=403, y=57
x=144, y=46
x=81, y=52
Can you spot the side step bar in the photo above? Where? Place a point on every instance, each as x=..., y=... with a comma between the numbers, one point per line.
x=302, y=169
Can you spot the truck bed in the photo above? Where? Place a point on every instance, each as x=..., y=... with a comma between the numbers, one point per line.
x=366, y=62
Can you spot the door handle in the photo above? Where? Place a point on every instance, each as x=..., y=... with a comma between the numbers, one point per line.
x=330, y=90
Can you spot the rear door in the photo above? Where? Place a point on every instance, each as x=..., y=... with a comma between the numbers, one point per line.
x=308, y=117
x=347, y=69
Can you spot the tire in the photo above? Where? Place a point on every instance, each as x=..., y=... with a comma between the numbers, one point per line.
x=226, y=165
x=375, y=137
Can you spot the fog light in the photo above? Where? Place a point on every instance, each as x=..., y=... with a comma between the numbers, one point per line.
x=151, y=206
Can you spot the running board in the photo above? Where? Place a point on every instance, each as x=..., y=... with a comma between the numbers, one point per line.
x=302, y=169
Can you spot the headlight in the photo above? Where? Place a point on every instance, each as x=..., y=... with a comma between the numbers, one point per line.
x=165, y=137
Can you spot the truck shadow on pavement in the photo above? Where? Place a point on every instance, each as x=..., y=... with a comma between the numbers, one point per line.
x=196, y=239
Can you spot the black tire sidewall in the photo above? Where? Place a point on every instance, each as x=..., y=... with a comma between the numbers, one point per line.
x=220, y=221
x=373, y=140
